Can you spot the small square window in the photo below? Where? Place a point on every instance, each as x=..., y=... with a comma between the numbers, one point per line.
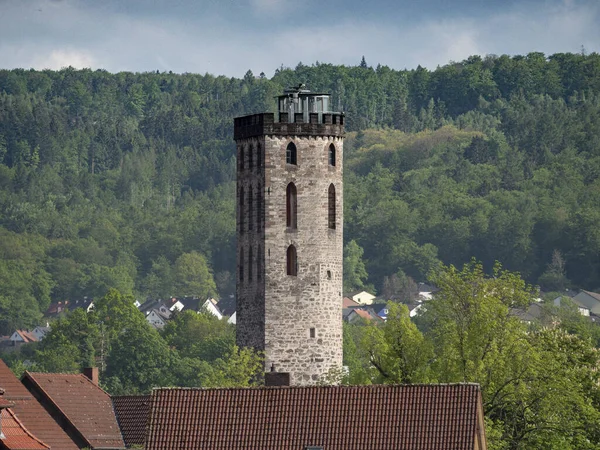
x=313, y=332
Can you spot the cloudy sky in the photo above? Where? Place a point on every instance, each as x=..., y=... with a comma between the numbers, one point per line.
x=228, y=37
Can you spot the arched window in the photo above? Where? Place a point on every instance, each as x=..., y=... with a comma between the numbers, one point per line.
x=292, y=261
x=251, y=209
x=291, y=154
x=241, y=267
x=241, y=161
x=250, y=264
x=331, y=206
x=242, y=195
x=291, y=206
x=332, y=155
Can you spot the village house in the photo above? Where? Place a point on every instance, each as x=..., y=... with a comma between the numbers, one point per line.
x=382, y=417
x=83, y=409
x=363, y=298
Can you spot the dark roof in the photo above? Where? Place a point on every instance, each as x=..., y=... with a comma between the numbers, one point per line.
x=383, y=417
x=31, y=414
x=149, y=305
x=193, y=303
x=84, y=408
x=132, y=414
x=80, y=303
x=378, y=307
x=227, y=306
x=56, y=308
x=594, y=295
x=531, y=314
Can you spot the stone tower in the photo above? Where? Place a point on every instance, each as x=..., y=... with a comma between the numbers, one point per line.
x=289, y=235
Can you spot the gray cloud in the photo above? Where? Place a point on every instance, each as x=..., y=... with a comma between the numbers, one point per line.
x=229, y=37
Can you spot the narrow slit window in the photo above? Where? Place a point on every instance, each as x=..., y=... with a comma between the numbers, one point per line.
x=241, y=267
x=250, y=264
x=251, y=209
x=332, y=155
x=259, y=208
x=291, y=154
x=313, y=333
x=291, y=206
x=259, y=264
x=242, y=224
x=241, y=162
x=292, y=261
x=331, y=207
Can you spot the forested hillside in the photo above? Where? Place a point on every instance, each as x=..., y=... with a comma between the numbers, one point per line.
x=127, y=180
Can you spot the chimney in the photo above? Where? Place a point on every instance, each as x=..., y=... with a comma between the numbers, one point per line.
x=92, y=374
x=274, y=378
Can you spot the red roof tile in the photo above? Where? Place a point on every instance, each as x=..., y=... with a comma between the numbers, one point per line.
x=31, y=414
x=349, y=303
x=27, y=336
x=83, y=407
x=417, y=417
x=132, y=414
x=16, y=436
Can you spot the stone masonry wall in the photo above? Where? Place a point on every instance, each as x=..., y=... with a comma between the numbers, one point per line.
x=276, y=311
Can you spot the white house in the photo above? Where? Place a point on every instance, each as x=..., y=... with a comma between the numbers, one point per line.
x=589, y=300
x=22, y=337
x=177, y=306
x=41, y=332
x=210, y=305
x=232, y=319
x=158, y=317
x=364, y=298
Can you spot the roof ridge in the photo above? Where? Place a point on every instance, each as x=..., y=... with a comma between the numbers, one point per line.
x=24, y=428
x=341, y=387
x=76, y=375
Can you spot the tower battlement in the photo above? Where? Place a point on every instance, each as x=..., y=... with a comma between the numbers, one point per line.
x=326, y=124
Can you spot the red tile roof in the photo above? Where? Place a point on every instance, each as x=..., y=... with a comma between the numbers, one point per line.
x=16, y=436
x=31, y=414
x=84, y=408
x=27, y=336
x=417, y=417
x=349, y=303
x=132, y=414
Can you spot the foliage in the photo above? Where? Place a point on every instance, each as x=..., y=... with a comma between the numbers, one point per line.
x=540, y=385
x=126, y=180
x=194, y=349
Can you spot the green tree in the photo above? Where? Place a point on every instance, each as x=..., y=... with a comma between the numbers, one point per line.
x=193, y=276
x=139, y=360
x=398, y=350
x=355, y=273
x=199, y=335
